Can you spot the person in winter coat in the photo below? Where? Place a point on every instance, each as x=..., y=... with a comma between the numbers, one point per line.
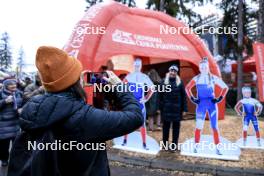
x=152, y=106
x=3, y=76
x=10, y=104
x=62, y=116
x=173, y=105
x=34, y=88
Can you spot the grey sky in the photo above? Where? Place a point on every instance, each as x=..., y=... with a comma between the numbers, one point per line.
x=32, y=23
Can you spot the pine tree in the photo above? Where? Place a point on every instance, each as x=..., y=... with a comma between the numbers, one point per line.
x=92, y=2
x=176, y=8
x=5, y=52
x=20, y=61
x=129, y=3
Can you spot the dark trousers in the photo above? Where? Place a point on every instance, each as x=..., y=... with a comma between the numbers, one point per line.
x=4, y=149
x=175, y=131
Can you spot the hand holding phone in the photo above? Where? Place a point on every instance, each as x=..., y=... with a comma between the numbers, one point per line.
x=111, y=78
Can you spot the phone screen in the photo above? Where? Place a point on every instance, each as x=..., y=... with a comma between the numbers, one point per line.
x=96, y=78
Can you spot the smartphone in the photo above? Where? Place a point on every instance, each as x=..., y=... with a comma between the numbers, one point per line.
x=101, y=100
x=96, y=77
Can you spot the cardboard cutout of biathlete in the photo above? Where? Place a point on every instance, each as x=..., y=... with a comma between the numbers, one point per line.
x=251, y=108
x=138, y=81
x=206, y=102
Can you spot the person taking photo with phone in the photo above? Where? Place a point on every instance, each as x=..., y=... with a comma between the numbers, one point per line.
x=61, y=114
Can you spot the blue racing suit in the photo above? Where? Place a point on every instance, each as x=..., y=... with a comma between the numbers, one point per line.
x=138, y=93
x=249, y=110
x=206, y=95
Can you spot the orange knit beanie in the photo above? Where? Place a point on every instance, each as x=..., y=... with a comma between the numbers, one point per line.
x=57, y=70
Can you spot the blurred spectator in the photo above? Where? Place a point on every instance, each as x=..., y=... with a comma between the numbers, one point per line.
x=3, y=76
x=34, y=88
x=27, y=81
x=10, y=104
x=122, y=76
x=152, y=105
x=20, y=85
x=173, y=105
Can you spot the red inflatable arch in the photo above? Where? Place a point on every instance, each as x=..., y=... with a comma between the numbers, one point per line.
x=111, y=29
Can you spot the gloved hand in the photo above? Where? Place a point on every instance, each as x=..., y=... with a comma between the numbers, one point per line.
x=217, y=100
x=9, y=99
x=19, y=110
x=195, y=100
x=112, y=78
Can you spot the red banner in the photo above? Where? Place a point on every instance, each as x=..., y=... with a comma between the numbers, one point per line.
x=259, y=56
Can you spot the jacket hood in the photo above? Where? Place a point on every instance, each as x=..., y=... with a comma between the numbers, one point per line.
x=43, y=111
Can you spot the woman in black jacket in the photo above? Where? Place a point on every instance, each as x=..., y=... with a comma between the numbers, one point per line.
x=152, y=106
x=61, y=116
x=173, y=105
x=10, y=104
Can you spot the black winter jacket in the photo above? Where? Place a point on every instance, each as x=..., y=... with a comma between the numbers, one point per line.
x=173, y=103
x=63, y=117
x=9, y=115
x=152, y=105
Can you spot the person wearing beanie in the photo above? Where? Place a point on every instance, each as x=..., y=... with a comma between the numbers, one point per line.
x=173, y=105
x=62, y=116
x=10, y=104
x=3, y=76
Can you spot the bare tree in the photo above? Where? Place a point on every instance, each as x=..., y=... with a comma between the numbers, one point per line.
x=20, y=61
x=240, y=50
x=161, y=7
